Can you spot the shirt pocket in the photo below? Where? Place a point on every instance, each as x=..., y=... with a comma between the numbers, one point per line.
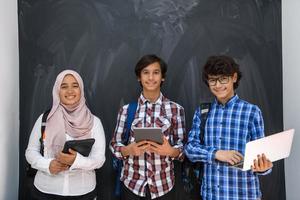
x=138, y=122
x=164, y=123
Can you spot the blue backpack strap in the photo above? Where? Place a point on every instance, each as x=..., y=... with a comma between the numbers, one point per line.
x=119, y=163
x=130, y=117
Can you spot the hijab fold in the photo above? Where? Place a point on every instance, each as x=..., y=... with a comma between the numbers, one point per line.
x=74, y=120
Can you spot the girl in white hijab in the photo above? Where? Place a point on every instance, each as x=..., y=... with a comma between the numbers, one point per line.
x=61, y=175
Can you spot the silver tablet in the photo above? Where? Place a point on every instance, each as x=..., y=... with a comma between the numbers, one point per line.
x=275, y=147
x=148, y=133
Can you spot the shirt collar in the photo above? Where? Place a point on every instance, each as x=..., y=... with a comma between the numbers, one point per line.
x=143, y=100
x=229, y=102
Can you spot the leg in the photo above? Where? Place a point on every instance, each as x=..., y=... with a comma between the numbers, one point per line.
x=126, y=194
x=169, y=196
x=37, y=195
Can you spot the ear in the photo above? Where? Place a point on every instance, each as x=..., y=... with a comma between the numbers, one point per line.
x=234, y=77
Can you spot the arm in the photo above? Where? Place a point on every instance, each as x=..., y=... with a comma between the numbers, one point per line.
x=97, y=155
x=196, y=151
x=116, y=141
x=261, y=165
x=179, y=135
x=193, y=149
x=116, y=146
x=32, y=154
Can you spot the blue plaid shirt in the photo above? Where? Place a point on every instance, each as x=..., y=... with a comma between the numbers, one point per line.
x=228, y=127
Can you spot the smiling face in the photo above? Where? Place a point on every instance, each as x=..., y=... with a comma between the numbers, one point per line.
x=69, y=92
x=151, y=78
x=222, y=87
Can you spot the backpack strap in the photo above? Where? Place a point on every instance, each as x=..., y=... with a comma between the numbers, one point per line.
x=193, y=172
x=43, y=127
x=118, y=164
x=130, y=117
x=204, y=109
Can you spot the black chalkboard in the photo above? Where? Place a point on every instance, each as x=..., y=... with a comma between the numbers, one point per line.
x=103, y=40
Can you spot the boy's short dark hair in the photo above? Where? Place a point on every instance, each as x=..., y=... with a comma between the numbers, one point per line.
x=148, y=60
x=221, y=65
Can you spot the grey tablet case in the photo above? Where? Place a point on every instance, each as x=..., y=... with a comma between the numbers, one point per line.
x=148, y=133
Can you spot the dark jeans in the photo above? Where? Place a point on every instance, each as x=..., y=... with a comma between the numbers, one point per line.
x=126, y=194
x=37, y=195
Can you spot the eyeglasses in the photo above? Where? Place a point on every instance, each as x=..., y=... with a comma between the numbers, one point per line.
x=221, y=79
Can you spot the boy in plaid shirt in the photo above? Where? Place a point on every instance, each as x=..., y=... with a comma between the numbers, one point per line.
x=231, y=123
x=148, y=170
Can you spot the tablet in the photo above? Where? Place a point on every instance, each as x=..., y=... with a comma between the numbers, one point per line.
x=148, y=133
x=83, y=147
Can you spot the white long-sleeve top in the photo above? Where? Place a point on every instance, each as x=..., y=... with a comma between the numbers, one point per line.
x=80, y=179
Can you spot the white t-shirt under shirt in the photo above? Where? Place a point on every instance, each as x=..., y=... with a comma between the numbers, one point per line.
x=80, y=179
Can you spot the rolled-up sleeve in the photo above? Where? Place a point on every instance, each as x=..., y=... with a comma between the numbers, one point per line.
x=116, y=141
x=179, y=133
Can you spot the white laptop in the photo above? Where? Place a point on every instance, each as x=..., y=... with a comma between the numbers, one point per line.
x=275, y=147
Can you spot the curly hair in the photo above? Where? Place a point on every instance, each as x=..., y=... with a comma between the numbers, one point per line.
x=221, y=65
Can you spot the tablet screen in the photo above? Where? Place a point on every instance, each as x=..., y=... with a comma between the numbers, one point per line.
x=148, y=133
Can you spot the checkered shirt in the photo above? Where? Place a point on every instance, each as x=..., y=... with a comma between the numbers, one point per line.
x=149, y=168
x=228, y=127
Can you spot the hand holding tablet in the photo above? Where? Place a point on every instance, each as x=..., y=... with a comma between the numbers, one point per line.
x=155, y=141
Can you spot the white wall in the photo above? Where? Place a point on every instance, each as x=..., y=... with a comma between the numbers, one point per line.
x=9, y=100
x=291, y=91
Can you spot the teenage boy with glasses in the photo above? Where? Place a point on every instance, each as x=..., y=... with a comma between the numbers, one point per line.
x=148, y=170
x=231, y=123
